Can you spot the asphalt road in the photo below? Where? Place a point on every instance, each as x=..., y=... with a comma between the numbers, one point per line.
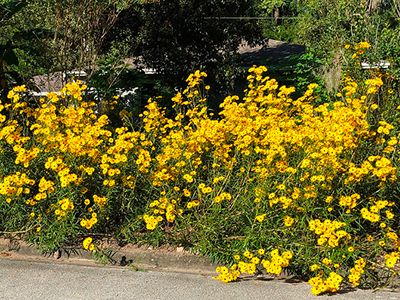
x=29, y=279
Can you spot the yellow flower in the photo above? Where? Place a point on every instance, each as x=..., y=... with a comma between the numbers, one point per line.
x=281, y=187
x=255, y=260
x=389, y=214
x=314, y=267
x=247, y=254
x=327, y=261
x=83, y=222
x=188, y=178
x=390, y=262
x=87, y=242
x=288, y=221
x=261, y=218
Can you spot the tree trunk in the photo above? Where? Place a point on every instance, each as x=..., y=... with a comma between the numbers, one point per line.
x=276, y=15
x=3, y=83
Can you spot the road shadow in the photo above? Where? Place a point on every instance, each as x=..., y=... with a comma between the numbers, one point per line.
x=270, y=53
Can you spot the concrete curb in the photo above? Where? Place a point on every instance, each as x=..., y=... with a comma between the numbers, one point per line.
x=144, y=259
x=177, y=260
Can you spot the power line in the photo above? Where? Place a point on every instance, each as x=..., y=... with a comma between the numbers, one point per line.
x=249, y=18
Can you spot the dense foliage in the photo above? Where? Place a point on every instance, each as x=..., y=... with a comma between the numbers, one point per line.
x=273, y=182
x=178, y=37
x=326, y=26
x=172, y=37
x=329, y=24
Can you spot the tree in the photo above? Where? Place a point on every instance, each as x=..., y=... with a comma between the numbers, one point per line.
x=7, y=55
x=64, y=34
x=331, y=24
x=78, y=30
x=176, y=37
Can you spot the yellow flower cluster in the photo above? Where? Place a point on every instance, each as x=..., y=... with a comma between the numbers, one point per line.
x=362, y=45
x=374, y=84
x=168, y=207
x=359, y=49
x=355, y=273
x=356, y=174
x=24, y=156
x=101, y=201
x=372, y=214
x=260, y=218
x=391, y=259
x=151, y=221
x=274, y=158
x=327, y=231
x=226, y=274
x=13, y=185
x=331, y=284
x=288, y=221
x=273, y=266
x=384, y=168
x=262, y=125
x=285, y=201
x=249, y=267
x=277, y=262
x=394, y=238
x=87, y=244
x=46, y=185
x=192, y=204
x=88, y=223
x=62, y=207
x=326, y=261
x=384, y=127
x=349, y=201
x=194, y=79
x=222, y=196
x=66, y=204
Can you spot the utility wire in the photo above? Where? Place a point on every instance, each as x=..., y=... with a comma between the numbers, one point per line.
x=249, y=18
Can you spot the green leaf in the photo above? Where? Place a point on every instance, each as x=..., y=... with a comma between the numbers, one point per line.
x=10, y=58
x=10, y=9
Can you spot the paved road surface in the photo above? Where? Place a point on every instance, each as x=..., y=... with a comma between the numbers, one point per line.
x=29, y=279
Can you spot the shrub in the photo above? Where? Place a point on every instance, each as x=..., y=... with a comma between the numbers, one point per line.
x=273, y=182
